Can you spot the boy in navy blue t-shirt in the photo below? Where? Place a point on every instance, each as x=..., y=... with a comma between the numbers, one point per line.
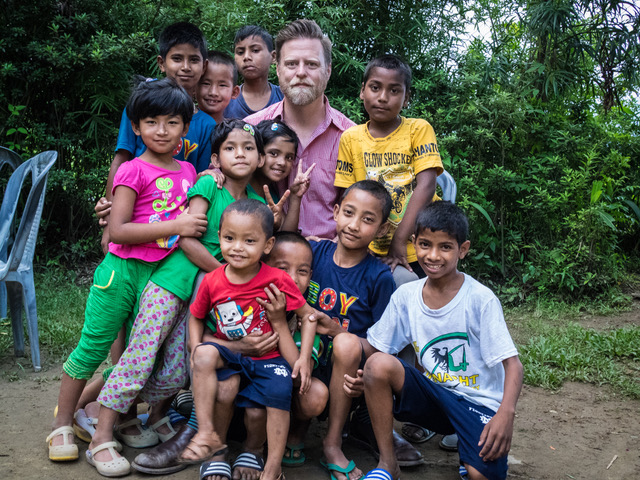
x=353, y=288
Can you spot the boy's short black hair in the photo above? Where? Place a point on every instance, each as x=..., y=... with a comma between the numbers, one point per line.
x=271, y=129
x=291, y=237
x=159, y=97
x=249, y=206
x=222, y=131
x=220, y=58
x=390, y=62
x=179, y=33
x=445, y=217
x=377, y=190
x=254, y=31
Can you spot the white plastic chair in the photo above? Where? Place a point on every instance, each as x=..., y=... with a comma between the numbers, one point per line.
x=17, y=270
x=11, y=159
x=448, y=186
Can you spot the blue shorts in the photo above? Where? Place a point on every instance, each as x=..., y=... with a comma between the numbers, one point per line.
x=265, y=383
x=432, y=406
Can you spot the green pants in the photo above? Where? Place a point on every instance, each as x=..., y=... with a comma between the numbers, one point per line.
x=117, y=285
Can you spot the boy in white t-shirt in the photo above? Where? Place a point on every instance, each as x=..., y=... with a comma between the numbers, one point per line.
x=472, y=374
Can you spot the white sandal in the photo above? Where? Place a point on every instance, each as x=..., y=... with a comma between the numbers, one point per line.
x=68, y=450
x=146, y=438
x=164, y=436
x=85, y=427
x=116, y=467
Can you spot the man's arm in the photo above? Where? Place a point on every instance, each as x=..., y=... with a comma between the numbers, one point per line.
x=495, y=439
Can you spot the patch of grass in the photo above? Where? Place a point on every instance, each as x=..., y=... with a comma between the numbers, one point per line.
x=554, y=348
x=61, y=305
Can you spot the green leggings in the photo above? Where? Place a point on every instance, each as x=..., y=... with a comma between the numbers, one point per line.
x=117, y=285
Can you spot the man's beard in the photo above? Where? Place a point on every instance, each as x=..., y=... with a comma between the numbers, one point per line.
x=302, y=95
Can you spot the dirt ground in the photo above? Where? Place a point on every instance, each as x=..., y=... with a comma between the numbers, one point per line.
x=579, y=432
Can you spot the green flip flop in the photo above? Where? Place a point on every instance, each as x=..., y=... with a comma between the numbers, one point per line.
x=332, y=467
x=294, y=456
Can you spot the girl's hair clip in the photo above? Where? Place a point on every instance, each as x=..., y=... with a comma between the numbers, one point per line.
x=149, y=79
x=249, y=128
x=274, y=126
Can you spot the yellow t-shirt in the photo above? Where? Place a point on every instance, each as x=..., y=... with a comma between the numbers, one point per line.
x=394, y=161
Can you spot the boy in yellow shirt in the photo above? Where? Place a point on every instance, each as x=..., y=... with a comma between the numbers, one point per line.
x=400, y=153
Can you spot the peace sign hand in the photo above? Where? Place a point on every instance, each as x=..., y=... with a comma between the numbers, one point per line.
x=300, y=184
x=276, y=208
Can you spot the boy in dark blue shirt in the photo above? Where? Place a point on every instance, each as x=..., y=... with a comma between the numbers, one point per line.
x=353, y=288
x=254, y=53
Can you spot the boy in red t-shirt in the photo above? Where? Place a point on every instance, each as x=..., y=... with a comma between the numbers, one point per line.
x=244, y=297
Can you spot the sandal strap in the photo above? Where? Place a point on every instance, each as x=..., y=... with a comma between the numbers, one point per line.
x=129, y=423
x=63, y=430
x=163, y=421
x=249, y=460
x=104, y=446
x=215, y=468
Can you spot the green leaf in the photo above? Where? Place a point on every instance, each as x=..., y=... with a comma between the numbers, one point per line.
x=607, y=219
x=484, y=213
x=633, y=207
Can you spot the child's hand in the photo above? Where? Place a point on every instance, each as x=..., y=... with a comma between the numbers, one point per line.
x=217, y=175
x=103, y=209
x=495, y=438
x=326, y=324
x=191, y=225
x=300, y=184
x=354, y=386
x=276, y=208
x=275, y=304
x=397, y=255
x=302, y=369
x=257, y=344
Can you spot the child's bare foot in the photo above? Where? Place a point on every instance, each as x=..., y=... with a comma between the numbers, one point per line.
x=248, y=466
x=202, y=447
x=346, y=470
x=272, y=474
x=106, y=455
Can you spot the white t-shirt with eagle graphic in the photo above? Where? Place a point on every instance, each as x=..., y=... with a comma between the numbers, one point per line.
x=460, y=346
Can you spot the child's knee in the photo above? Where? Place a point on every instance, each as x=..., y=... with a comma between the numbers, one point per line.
x=205, y=358
x=313, y=403
x=255, y=416
x=347, y=348
x=381, y=366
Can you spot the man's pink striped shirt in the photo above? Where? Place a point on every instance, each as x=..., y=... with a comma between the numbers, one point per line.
x=316, y=210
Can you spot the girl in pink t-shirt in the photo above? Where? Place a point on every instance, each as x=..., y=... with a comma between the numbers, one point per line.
x=149, y=195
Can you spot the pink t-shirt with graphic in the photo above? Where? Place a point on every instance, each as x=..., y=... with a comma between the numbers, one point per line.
x=162, y=196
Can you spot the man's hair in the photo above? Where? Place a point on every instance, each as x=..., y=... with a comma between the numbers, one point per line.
x=254, y=31
x=222, y=131
x=179, y=33
x=249, y=206
x=390, y=62
x=289, y=237
x=377, y=190
x=271, y=129
x=220, y=58
x=445, y=217
x=152, y=97
x=303, y=28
